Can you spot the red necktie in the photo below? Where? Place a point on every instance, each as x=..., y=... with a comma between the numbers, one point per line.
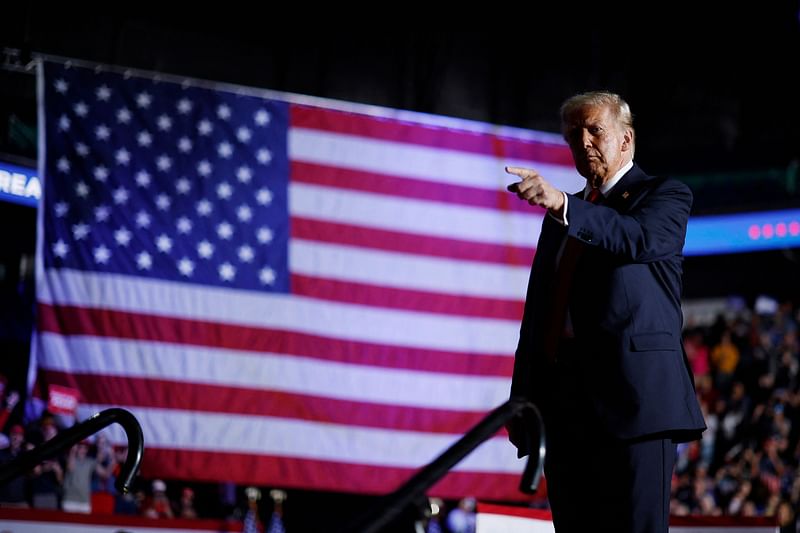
x=561, y=289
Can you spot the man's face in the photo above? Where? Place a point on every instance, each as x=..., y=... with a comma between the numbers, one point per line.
x=600, y=145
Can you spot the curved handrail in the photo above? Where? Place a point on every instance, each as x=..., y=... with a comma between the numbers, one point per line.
x=67, y=438
x=414, y=489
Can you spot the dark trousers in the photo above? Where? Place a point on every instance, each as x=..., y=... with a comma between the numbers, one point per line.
x=596, y=482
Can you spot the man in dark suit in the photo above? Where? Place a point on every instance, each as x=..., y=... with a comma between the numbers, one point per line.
x=600, y=348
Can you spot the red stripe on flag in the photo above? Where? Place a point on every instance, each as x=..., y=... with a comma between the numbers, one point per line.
x=394, y=130
x=164, y=394
x=430, y=302
x=396, y=241
x=292, y=472
x=72, y=320
x=401, y=187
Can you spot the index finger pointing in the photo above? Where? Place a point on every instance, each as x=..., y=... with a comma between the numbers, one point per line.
x=521, y=172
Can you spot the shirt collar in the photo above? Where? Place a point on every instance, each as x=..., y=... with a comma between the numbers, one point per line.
x=607, y=186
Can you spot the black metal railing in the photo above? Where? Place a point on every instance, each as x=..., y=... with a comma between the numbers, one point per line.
x=69, y=437
x=415, y=488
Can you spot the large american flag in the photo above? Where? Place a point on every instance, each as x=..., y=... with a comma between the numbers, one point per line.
x=284, y=290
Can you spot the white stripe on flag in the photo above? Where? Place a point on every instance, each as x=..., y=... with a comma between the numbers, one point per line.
x=405, y=271
x=279, y=311
x=169, y=428
x=269, y=371
x=418, y=162
x=421, y=217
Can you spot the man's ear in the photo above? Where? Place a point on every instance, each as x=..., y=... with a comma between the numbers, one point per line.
x=627, y=140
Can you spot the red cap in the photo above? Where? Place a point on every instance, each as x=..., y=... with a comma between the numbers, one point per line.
x=17, y=429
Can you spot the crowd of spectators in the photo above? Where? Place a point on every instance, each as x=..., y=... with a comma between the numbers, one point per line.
x=746, y=367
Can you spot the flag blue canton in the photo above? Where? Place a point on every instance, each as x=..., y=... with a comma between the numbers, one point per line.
x=163, y=180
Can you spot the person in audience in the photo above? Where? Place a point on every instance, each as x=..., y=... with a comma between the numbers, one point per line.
x=186, y=506
x=48, y=476
x=14, y=492
x=159, y=505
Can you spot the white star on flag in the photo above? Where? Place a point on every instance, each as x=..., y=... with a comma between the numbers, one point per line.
x=163, y=202
x=123, y=115
x=80, y=231
x=204, y=127
x=184, y=225
x=224, y=190
x=267, y=276
x=144, y=139
x=164, y=243
x=143, y=178
x=61, y=86
x=143, y=100
x=143, y=219
x=101, y=213
x=186, y=267
x=225, y=150
x=81, y=189
x=102, y=254
x=184, y=106
x=262, y=117
x=185, y=145
x=103, y=93
x=164, y=163
x=121, y=195
x=244, y=174
x=123, y=156
x=102, y=132
x=122, y=236
x=224, y=230
x=81, y=109
x=100, y=173
x=264, y=196
x=144, y=261
x=243, y=134
x=164, y=123
x=227, y=271
x=244, y=213
x=204, y=168
x=60, y=248
x=204, y=208
x=264, y=235
x=224, y=112
x=183, y=186
x=205, y=249
x=264, y=156
x=245, y=254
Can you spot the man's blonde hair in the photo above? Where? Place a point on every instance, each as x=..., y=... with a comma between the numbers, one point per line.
x=613, y=101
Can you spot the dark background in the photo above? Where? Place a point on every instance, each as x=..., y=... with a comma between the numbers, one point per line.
x=715, y=95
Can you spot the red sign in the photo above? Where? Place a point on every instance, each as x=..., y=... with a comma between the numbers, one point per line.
x=63, y=400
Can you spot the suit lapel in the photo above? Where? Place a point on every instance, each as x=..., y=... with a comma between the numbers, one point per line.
x=626, y=190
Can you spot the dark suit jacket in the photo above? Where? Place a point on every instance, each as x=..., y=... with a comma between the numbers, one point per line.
x=625, y=310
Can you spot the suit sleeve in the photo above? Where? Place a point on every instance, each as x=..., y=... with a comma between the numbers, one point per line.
x=652, y=230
